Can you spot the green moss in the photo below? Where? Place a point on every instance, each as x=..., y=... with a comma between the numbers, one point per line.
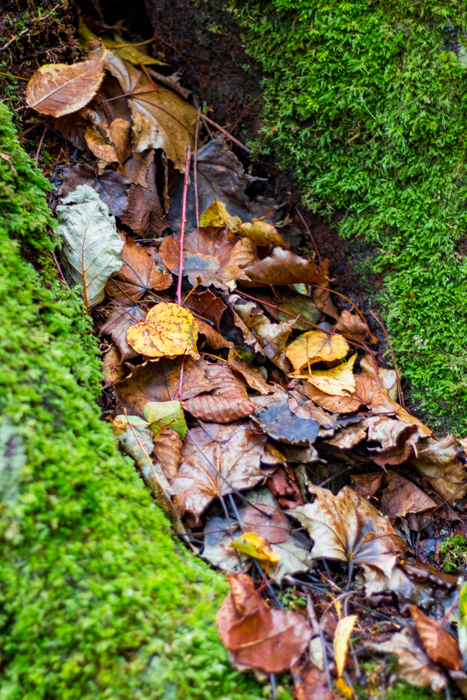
x=365, y=101
x=96, y=599
x=453, y=553
x=374, y=689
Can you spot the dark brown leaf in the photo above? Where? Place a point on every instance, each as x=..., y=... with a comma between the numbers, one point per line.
x=227, y=401
x=214, y=339
x=118, y=322
x=233, y=450
x=207, y=305
x=144, y=212
x=136, y=168
x=257, y=636
x=138, y=275
x=440, y=646
x=283, y=485
x=400, y=496
x=309, y=683
x=351, y=327
x=283, y=267
x=437, y=461
x=73, y=127
x=274, y=416
x=112, y=187
x=168, y=448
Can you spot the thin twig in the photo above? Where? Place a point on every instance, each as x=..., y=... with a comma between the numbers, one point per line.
x=180, y=381
x=310, y=608
x=40, y=144
x=183, y=224
x=10, y=75
x=226, y=133
x=196, y=168
x=399, y=385
x=57, y=265
x=310, y=234
x=146, y=72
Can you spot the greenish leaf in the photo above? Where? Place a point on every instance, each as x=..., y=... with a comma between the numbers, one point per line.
x=165, y=414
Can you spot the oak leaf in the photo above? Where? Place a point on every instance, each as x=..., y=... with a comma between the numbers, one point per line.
x=347, y=528
x=257, y=636
x=92, y=247
x=57, y=89
x=167, y=331
x=316, y=346
x=217, y=459
x=137, y=275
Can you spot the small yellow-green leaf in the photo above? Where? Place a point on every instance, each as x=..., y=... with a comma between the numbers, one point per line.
x=165, y=414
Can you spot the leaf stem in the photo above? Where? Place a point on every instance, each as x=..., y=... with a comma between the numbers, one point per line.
x=183, y=224
x=226, y=133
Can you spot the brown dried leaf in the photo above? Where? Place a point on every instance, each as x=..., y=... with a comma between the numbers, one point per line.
x=309, y=683
x=227, y=400
x=349, y=436
x=437, y=461
x=339, y=404
x=440, y=646
x=207, y=305
x=112, y=187
x=400, y=496
x=367, y=485
x=168, y=449
x=283, y=267
x=283, y=485
x=113, y=369
x=159, y=381
x=138, y=274
x=351, y=326
x=144, y=212
x=385, y=379
x=115, y=147
x=58, y=89
x=117, y=324
x=257, y=636
x=214, y=339
x=136, y=168
x=322, y=296
x=252, y=376
x=233, y=450
x=346, y=527
x=398, y=440
x=73, y=127
x=261, y=233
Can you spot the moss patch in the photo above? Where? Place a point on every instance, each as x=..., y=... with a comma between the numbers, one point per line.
x=366, y=103
x=96, y=599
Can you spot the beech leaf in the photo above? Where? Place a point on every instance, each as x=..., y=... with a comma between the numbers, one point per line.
x=57, y=89
x=167, y=331
x=92, y=247
x=227, y=401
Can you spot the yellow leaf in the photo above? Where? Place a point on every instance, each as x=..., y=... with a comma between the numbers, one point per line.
x=341, y=641
x=261, y=233
x=130, y=52
x=343, y=688
x=256, y=547
x=217, y=215
x=318, y=346
x=338, y=381
x=167, y=331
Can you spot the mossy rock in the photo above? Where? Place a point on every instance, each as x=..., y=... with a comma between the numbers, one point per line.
x=97, y=600
x=366, y=103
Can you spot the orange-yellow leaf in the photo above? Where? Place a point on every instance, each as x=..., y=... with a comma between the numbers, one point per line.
x=167, y=331
x=255, y=547
x=338, y=381
x=58, y=89
x=316, y=346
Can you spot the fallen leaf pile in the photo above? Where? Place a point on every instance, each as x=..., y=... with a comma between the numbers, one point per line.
x=256, y=410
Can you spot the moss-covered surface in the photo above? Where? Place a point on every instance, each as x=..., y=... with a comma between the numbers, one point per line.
x=96, y=598
x=366, y=103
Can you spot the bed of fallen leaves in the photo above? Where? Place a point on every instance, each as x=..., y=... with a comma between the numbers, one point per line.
x=257, y=413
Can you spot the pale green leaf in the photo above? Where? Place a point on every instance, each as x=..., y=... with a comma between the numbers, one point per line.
x=165, y=414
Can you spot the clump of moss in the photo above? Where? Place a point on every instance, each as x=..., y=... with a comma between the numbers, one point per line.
x=377, y=686
x=366, y=103
x=97, y=601
x=453, y=553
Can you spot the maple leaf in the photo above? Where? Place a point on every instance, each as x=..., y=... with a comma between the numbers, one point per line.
x=137, y=275
x=347, y=528
x=167, y=331
x=92, y=247
x=57, y=89
x=216, y=461
x=257, y=636
x=316, y=346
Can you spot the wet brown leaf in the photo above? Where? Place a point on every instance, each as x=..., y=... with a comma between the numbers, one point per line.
x=437, y=461
x=214, y=339
x=440, y=646
x=283, y=267
x=73, y=128
x=117, y=324
x=367, y=485
x=136, y=168
x=227, y=400
x=351, y=327
x=309, y=683
x=144, y=212
x=347, y=528
x=207, y=305
x=400, y=496
x=283, y=485
x=168, y=449
x=257, y=636
x=138, y=274
x=339, y=404
x=113, y=368
x=385, y=379
x=112, y=187
x=261, y=233
x=159, y=381
x=252, y=376
x=57, y=89
x=233, y=450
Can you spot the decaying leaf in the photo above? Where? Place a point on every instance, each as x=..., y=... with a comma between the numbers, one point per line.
x=165, y=414
x=437, y=461
x=160, y=381
x=440, y=646
x=112, y=187
x=117, y=324
x=251, y=375
x=138, y=274
x=347, y=528
x=384, y=378
x=341, y=641
x=351, y=326
x=257, y=636
x=57, y=89
x=338, y=381
x=261, y=233
x=337, y=404
x=227, y=400
x=168, y=449
x=277, y=420
x=92, y=247
x=414, y=663
x=256, y=547
x=167, y=331
x=144, y=212
x=234, y=451
x=316, y=346
x=214, y=339
x=297, y=304
x=309, y=682
x=401, y=496
x=112, y=147
x=161, y=119
x=207, y=305
x=282, y=267
x=112, y=366
x=217, y=215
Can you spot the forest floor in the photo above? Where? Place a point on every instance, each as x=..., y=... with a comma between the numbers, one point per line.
x=337, y=514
